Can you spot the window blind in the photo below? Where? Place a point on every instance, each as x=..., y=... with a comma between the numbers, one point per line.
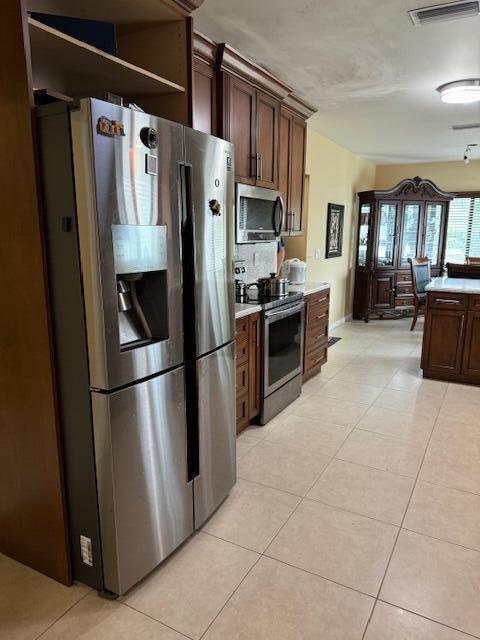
x=463, y=231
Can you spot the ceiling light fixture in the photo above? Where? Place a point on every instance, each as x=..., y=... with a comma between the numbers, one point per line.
x=460, y=91
x=468, y=151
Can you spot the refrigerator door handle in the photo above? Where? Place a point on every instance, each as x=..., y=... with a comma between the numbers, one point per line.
x=188, y=263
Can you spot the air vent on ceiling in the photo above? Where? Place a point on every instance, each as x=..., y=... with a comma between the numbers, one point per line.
x=446, y=11
x=461, y=127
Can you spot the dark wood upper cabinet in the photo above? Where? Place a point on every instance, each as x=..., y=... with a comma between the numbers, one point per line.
x=284, y=163
x=266, y=122
x=268, y=111
x=204, y=90
x=292, y=169
x=242, y=99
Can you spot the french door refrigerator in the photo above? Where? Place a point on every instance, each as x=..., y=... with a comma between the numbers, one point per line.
x=139, y=236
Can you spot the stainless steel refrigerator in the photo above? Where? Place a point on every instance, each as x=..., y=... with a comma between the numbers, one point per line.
x=139, y=236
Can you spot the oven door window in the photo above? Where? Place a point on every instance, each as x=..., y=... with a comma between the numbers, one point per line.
x=284, y=348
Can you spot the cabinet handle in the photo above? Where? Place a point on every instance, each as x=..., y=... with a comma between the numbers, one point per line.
x=461, y=326
x=447, y=301
x=293, y=223
x=324, y=315
x=260, y=155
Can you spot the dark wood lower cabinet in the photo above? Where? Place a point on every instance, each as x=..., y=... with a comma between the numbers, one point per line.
x=248, y=365
x=316, y=333
x=451, y=340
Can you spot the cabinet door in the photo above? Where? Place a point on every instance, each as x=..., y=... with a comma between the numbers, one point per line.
x=471, y=351
x=409, y=233
x=387, y=234
x=254, y=361
x=383, y=294
x=241, y=128
x=434, y=220
x=204, y=98
x=284, y=158
x=363, y=233
x=268, y=111
x=297, y=175
x=443, y=341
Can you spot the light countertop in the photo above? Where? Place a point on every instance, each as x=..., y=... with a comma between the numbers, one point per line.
x=242, y=310
x=454, y=285
x=309, y=287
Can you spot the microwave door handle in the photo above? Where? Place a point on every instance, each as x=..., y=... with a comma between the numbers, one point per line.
x=278, y=205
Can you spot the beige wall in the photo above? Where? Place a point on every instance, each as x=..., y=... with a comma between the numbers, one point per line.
x=449, y=176
x=335, y=175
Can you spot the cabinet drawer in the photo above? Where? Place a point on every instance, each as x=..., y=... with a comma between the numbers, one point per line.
x=242, y=378
x=320, y=296
x=404, y=277
x=317, y=312
x=241, y=350
x=315, y=358
x=438, y=300
x=404, y=302
x=242, y=413
x=404, y=288
x=241, y=329
x=474, y=302
x=313, y=342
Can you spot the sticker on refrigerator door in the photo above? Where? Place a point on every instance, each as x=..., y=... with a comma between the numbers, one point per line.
x=86, y=550
x=229, y=163
x=151, y=164
x=110, y=128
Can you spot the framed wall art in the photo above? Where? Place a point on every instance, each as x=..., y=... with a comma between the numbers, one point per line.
x=334, y=230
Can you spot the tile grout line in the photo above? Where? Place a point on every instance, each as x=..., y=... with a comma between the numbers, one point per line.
x=147, y=615
x=420, y=615
x=64, y=613
x=401, y=524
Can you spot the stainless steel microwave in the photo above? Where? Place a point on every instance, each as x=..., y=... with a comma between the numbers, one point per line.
x=260, y=214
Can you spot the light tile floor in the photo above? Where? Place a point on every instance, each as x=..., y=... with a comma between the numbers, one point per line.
x=356, y=516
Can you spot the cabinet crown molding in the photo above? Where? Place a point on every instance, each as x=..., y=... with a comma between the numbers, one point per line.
x=299, y=106
x=235, y=63
x=204, y=49
x=418, y=187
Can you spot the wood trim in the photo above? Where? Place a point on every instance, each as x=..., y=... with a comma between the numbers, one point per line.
x=33, y=526
x=417, y=187
x=233, y=62
x=299, y=106
x=204, y=49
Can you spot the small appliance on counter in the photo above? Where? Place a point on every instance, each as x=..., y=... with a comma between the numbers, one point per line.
x=294, y=270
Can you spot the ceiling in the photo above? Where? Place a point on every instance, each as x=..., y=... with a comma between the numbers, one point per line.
x=370, y=72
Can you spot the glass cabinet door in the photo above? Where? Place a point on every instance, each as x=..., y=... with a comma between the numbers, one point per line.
x=410, y=220
x=363, y=234
x=433, y=225
x=386, y=234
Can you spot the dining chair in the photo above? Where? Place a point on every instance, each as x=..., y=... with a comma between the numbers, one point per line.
x=420, y=270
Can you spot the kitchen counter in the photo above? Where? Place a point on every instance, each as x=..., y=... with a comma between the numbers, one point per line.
x=242, y=310
x=454, y=285
x=309, y=287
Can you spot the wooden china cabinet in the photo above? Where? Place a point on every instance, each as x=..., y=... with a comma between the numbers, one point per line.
x=396, y=224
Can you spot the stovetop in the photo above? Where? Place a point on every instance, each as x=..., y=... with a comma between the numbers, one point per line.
x=272, y=301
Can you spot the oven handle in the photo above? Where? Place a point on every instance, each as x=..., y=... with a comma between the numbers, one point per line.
x=285, y=312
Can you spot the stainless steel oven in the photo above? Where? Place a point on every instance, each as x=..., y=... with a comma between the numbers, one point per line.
x=260, y=214
x=282, y=357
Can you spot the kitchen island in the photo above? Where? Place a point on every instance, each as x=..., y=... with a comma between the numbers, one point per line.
x=451, y=339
